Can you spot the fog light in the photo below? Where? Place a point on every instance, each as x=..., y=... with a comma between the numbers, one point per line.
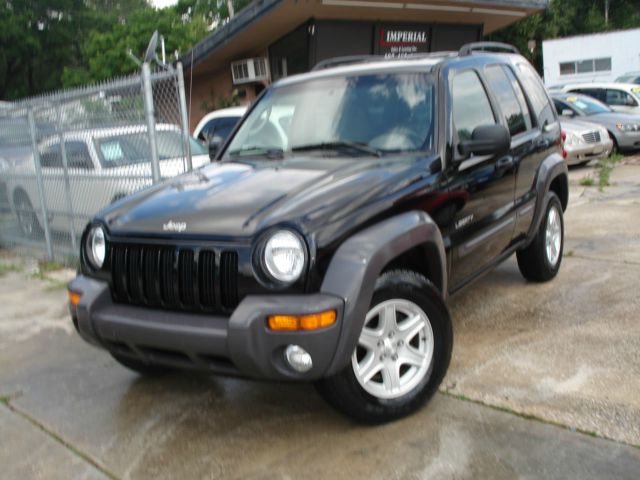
x=298, y=358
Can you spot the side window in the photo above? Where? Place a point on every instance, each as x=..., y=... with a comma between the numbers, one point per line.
x=592, y=92
x=224, y=127
x=51, y=157
x=619, y=97
x=78, y=155
x=471, y=106
x=207, y=131
x=516, y=114
x=537, y=96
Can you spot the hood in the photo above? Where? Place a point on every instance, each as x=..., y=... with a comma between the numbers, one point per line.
x=579, y=127
x=238, y=199
x=611, y=118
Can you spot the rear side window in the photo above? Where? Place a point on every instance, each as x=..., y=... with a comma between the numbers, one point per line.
x=510, y=98
x=537, y=96
x=592, y=92
x=78, y=155
x=51, y=157
x=217, y=127
x=620, y=97
x=471, y=106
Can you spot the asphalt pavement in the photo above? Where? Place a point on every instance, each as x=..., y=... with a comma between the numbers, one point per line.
x=544, y=383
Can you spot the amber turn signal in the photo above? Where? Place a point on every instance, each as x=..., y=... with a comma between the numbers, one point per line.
x=74, y=298
x=313, y=321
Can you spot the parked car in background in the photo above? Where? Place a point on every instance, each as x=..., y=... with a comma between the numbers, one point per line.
x=629, y=77
x=624, y=129
x=104, y=164
x=218, y=124
x=621, y=97
x=584, y=142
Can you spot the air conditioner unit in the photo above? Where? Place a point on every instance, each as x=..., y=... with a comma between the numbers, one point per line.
x=250, y=70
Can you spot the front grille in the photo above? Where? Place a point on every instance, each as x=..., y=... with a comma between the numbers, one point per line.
x=189, y=279
x=591, y=137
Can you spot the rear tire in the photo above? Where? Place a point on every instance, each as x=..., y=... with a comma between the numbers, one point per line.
x=402, y=354
x=140, y=367
x=541, y=260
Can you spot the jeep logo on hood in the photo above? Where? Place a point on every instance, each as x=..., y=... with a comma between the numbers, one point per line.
x=172, y=226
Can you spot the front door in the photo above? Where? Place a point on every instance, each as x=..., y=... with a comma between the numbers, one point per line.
x=483, y=226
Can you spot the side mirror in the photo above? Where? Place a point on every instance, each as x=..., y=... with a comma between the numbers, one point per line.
x=214, y=145
x=567, y=112
x=487, y=140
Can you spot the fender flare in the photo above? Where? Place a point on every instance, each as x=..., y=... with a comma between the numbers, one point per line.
x=358, y=262
x=551, y=168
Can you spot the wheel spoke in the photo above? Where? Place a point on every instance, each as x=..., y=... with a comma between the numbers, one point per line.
x=410, y=327
x=391, y=376
x=369, y=366
x=369, y=338
x=411, y=356
x=388, y=318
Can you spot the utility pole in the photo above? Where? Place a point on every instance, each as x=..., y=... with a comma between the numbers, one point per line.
x=606, y=12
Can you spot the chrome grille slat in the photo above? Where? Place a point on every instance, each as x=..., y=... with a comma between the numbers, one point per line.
x=174, y=278
x=591, y=137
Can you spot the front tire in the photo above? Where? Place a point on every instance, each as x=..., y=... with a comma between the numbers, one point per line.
x=541, y=260
x=402, y=354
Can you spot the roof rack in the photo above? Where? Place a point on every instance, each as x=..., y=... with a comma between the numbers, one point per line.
x=469, y=48
x=353, y=59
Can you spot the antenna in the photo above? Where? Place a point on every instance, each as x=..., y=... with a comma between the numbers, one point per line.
x=150, y=54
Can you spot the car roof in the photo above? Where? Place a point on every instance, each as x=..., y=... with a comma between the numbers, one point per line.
x=618, y=85
x=379, y=64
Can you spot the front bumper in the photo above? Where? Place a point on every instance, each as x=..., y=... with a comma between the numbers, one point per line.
x=237, y=345
x=582, y=153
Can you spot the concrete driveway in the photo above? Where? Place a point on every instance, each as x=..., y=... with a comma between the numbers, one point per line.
x=544, y=383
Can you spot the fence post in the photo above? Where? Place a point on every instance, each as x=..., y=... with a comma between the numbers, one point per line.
x=36, y=163
x=151, y=121
x=182, y=100
x=67, y=183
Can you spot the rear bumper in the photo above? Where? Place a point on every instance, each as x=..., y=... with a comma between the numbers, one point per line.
x=237, y=345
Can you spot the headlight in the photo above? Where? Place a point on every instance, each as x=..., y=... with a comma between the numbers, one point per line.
x=96, y=247
x=573, y=139
x=628, y=127
x=284, y=256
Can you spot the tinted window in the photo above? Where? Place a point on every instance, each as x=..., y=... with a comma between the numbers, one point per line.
x=619, y=97
x=536, y=94
x=51, y=157
x=511, y=104
x=217, y=125
x=78, y=155
x=471, y=106
x=592, y=92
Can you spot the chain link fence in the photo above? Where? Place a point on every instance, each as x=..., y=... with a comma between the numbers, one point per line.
x=66, y=155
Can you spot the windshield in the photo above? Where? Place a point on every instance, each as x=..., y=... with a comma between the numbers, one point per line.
x=378, y=113
x=586, y=106
x=132, y=148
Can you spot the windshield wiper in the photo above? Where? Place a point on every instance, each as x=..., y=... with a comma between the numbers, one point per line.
x=361, y=147
x=269, y=152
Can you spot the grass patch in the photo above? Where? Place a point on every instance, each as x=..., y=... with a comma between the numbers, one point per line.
x=586, y=181
x=568, y=253
x=8, y=267
x=45, y=267
x=604, y=167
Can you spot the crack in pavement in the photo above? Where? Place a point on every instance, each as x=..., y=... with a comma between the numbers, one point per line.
x=534, y=418
x=6, y=401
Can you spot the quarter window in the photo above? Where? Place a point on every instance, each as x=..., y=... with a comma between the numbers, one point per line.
x=510, y=98
x=471, y=106
x=537, y=96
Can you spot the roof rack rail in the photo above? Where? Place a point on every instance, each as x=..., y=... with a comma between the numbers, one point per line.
x=350, y=60
x=469, y=48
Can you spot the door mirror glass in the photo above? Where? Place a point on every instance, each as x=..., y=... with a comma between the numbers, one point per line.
x=487, y=140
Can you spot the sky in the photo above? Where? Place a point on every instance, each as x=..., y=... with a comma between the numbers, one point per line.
x=162, y=3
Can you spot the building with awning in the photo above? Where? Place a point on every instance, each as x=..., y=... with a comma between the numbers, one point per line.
x=271, y=39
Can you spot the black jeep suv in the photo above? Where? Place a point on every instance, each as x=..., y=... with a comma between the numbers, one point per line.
x=322, y=242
